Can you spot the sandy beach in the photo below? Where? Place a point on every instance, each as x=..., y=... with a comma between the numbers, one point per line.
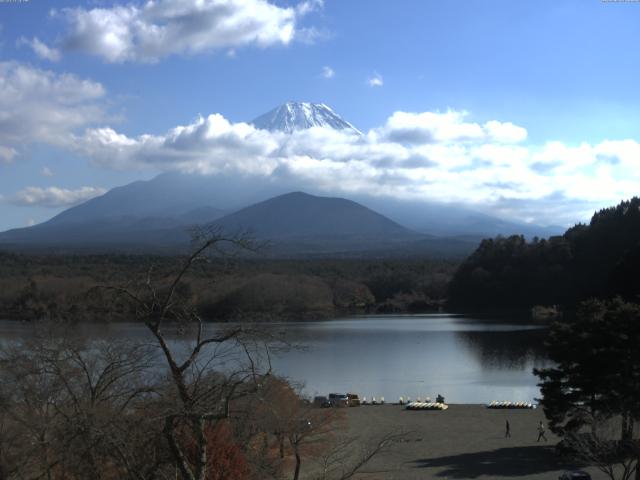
x=465, y=441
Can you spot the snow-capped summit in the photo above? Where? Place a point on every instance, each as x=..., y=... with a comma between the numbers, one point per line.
x=293, y=116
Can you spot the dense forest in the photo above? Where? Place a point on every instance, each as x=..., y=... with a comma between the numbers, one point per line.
x=600, y=259
x=225, y=289
x=594, y=260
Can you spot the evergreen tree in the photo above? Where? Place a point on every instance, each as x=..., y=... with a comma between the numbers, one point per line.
x=600, y=259
x=596, y=377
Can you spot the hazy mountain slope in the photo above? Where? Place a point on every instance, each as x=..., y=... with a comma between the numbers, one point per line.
x=167, y=195
x=296, y=225
x=158, y=211
x=445, y=219
x=108, y=222
x=108, y=232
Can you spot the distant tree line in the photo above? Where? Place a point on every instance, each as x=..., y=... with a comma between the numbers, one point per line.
x=600, y=259
x=56, y=286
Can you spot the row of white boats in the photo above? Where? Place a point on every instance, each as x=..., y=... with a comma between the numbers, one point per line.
x=443, y=406
x=496, y=404
x=426, y=406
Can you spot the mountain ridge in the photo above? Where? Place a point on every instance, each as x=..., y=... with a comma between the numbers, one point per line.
x=295, y=225
x=159, y=210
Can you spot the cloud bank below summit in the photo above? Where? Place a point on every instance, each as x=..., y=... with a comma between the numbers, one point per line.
x=419, y=156
x=427, y=156
x=54, y=196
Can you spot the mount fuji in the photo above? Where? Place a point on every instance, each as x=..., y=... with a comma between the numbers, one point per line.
x=154, y=215
x=293, y=116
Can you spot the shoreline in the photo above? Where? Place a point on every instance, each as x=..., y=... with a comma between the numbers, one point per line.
x=497, y=317
x=463, y=442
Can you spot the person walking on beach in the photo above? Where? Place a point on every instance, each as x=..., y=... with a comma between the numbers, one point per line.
x=541, y=431
x=507, y=432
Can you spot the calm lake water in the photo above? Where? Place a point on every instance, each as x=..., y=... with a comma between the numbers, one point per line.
x=468, y=360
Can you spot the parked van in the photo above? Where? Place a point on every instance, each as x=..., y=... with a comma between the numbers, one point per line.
x=321, y=402
x=339, y=399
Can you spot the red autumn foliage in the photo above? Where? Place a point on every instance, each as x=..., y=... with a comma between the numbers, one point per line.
x=226, y=459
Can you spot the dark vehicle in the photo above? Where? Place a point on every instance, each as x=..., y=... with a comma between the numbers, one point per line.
x=354, y=399
x=575, y=475
x=322, y=402
x=339, y=399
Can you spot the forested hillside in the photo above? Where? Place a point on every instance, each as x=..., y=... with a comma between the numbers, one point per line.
x=600, y=259
x=58, y=286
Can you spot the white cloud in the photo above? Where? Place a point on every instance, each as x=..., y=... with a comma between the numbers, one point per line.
x=40, y=49
x=436, y=127
x=505, y=132
x=203, y=145
x=159, y=28
x=375, y=80
x=54, y=196
x=7, y=154
x=311, y=35
x=328, y=72
x=308, y=6
x=42, y=106
x=46, y=172
x=435, y=156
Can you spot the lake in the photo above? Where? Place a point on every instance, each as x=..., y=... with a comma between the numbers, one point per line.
x=467, y=360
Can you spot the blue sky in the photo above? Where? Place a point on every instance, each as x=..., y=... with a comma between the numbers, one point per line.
x=564, y=71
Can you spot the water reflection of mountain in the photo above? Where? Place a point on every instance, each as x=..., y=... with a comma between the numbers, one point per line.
x=518, y=349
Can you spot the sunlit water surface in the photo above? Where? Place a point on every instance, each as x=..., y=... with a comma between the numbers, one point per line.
x=468, y=360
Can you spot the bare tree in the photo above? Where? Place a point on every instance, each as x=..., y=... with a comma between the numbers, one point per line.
x=303, y=431
x=202, y=398
x=71, y=406
x=599, y=444
x=310, y=431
